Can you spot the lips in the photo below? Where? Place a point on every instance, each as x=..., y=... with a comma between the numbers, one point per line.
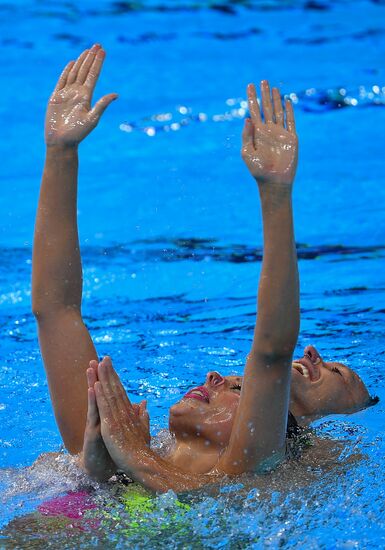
x=199, y=393
x=301, y=369
x=307, y=368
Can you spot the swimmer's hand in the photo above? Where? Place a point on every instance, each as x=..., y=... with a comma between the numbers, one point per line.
x=95, y=459
x=124, y=426
x=69, y=117
x=270, y=147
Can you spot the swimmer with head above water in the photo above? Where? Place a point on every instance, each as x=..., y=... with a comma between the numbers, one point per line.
x=229, y=425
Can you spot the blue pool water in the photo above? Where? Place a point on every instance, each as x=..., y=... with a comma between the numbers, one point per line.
x=171, y=240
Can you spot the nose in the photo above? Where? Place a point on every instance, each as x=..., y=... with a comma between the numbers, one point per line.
x=312, y=353
x=213, y=378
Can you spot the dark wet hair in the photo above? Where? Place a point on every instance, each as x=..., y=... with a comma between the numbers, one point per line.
x=292, y=427
x=373, y=400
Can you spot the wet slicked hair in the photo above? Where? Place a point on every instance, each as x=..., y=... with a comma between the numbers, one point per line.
x=292, y=427
x=373, y=400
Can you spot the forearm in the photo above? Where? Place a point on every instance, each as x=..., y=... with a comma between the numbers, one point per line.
x=159, y=475
x=57, y=272
x=277, y=326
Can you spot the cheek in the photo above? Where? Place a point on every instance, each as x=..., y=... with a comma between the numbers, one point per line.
x=303, y=394
x=298, y=385
x=334, y=397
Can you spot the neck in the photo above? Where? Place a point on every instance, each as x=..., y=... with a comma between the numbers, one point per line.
x=302, y=418
x=194, y=456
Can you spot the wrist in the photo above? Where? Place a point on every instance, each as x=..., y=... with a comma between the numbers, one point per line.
x=136, y=462
x=61, y=151
x=274, y=190
x=275, y=185
x=275, y=199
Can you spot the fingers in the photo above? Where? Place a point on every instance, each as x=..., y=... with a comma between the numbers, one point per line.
x=92, y=412
x=63, y=77
x=93, y=418
x=91, y=373
x=248, y=146
x=112, y=386
x=273, y=111
x=144, y=419
x=278, y=109
x=248, y=134
x=290, y=122
x=267, y=105
x=85, y=70
x=143, y=408
x=94, y=70
x=103, y=404
x=87, y=63
x=75, y=68
x=255, y=112
x=104, y=376
x=140, y=409
x=101, y=106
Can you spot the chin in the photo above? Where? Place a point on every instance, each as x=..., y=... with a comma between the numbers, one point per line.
x=177, y=410
x=185, y=416
x=179, y=417
x=186, y=406
x=301, y=407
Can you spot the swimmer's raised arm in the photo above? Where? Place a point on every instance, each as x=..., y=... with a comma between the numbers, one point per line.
x=65, y=343
x=270, y=151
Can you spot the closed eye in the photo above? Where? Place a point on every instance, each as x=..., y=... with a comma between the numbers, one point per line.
x=334, y=369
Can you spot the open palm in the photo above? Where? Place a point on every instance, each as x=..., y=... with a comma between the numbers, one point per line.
x=69, y=117
x=269, y=149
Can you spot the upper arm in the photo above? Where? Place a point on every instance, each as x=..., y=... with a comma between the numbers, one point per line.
x=259, y=429
x=67, y=349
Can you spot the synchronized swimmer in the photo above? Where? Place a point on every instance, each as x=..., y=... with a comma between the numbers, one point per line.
x=230, y=424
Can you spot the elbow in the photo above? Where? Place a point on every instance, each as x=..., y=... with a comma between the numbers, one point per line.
x=46, y=304
x=272, y=352
x=36, y=309
x=276, y=343
x=40, y=301
x=40, y=306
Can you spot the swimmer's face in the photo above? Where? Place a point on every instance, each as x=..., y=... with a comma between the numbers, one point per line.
x=318, y=388
x=207, y=411
x=321, y=387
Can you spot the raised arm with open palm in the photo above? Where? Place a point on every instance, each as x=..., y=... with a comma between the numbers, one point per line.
x=65, y=343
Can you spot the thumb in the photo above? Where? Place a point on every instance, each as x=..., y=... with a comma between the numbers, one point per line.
x=248, y=134
x=102, y=105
